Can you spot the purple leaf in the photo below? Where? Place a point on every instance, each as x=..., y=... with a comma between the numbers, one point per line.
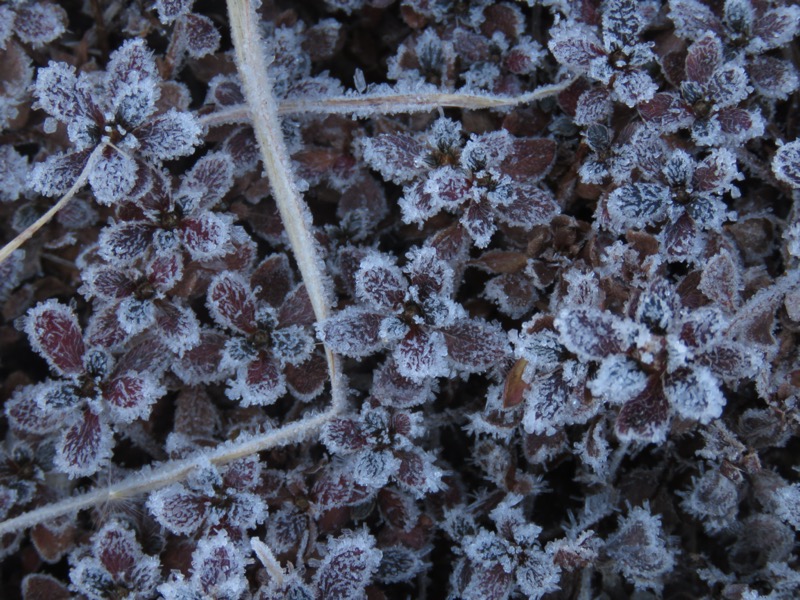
x=201, y=363
x=343, y=436
x=260, y=383
x=421, y=354
x=180, y=511
x=124, y=242
x=593, y=334
x=40, y=23
x=218, y=568
x=395, y=156
x=575, y=46
x=636, y=205
x=179, y=325
x=272, y=280
x=170, y=135
x=775, y=28
x=201, y=37
x=231, y=302
x=646, y=417
x=380, y=283
x=353, y=332
x=58, y=172
x=131, y=396
x=474, y=345
x=207, y=182
x=54, y=333
x=786, y=163
x=692, y=19
x=667, y=111
x=113, y=177
x=703, y=58
x=85, y=446
x=347, y=567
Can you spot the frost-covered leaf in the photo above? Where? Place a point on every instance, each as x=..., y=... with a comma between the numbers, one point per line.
x=260, y=382
x=201, y=37
x=113, y=176
x=594, y=334
x=474, y=346
x=85, y=446
x=640, y=551
x=728, y=86
x=695, y=394
x=636, y=205
x=218, y=568
x=372, y=468
x=735, y=125
x=40, y=586
x=392, y=389
x=13, y=173
x=135, y=315
x=417, y=473
x=421, y=354
x=55, y=88
x=666, y=111
x=231, y=302
x=537, y=574
x=622, y=21
x=39, y=23
x=786, y=163
x=206, y=235
x=170, y=135
x=169, y=10
x=775, y=27
x=575, y=46
x=353, y=332
x=58, y=172
x=693, y=18
x=124, y=242
x=343, y=436
x=721, y=281
x=107, y=283
x=24, y=409
x=399, y=564
x=336, y=489
x=645, y=418
x=201, y=363
x=703, y=58
x=594, y=106
x=131, y=396
x=713, y=500
x=556, y=399
x=773, y=77
x=394, y=156
x=206, y=183
x=380, y=283
x=531, y=206
x=177, y=509
x=132, y=82
x=347, y=567
x=54, y=332
x=634, y=88
x=618, y=380
x=715, y=173
x=116, y=548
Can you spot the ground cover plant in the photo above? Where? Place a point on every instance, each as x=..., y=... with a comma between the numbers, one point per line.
x=399, y=299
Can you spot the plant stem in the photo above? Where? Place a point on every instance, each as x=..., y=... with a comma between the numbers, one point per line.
x=28, y=232
x=368, y=104
x=257, y=87
x=393, y=103
x=154, y=478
